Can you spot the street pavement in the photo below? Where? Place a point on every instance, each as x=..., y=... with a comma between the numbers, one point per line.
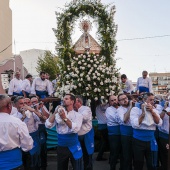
x=98, y=165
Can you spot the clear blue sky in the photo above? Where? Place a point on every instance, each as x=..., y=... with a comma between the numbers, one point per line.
x=33, y=21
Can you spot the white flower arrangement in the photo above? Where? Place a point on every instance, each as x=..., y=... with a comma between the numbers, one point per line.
x=87, y=81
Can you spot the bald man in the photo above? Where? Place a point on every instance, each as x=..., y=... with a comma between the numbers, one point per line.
x=113, y=131
x=14, y=137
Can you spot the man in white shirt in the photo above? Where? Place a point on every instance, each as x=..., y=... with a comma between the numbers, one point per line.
x=42, y=110
x=68, y=123
x=14, y=109
x=31, y=159
x=26, y=85
x=102, y=128
x=144, y=122
x=86, y=133
x=126, y=130
x=113, y=131
x=127, y=86
x=144, y=83
x=41, y=86
x=164, y=135
x=15, y=85
x=14, y=136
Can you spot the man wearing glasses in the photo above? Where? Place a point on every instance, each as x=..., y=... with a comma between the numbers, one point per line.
x=144, y=122
x=126, y=130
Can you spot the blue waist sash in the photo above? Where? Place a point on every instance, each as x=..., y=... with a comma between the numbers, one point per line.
x=89, y=141
x=36, y=144
x=71, y=141
x=126, y=130
x=146, y=135
x=162, y=103
x=143, y=89
x=10, y=159
x=41, y=94
x=114, y=130
x=17, y=94
x=102, y=126
x=163, y=135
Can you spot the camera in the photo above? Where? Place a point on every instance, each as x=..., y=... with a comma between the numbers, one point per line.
x=156, y=101
x=140, y=98
x=35, y=105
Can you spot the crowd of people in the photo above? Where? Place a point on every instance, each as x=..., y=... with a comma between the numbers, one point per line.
x=24, y=117
x=135, y=125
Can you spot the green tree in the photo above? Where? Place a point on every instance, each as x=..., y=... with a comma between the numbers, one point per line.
x=48, y=63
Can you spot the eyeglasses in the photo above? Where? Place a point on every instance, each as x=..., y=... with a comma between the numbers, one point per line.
x=123, y=99
x=151, y=99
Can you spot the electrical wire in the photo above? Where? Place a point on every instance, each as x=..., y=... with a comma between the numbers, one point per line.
x=5, y=48
x=141, y=38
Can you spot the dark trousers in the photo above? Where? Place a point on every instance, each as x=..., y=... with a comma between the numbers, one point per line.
x=163, y=153
x=63, y=156
x=43, y=145
x=127, y=152
x=115, y=149
x=87, y=159
x=31, y=162
x=103, y=142
x=142, y=150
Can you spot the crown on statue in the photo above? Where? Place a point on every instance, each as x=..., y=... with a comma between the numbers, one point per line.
x=85, y=26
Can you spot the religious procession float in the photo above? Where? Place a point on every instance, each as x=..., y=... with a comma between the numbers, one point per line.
x=87, y=67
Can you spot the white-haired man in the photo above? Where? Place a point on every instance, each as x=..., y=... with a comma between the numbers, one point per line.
x=14, y=136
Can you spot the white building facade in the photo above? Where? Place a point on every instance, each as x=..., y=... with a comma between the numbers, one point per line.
x=30, y=58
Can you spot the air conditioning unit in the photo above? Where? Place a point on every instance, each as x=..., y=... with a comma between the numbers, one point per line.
x=5, y=81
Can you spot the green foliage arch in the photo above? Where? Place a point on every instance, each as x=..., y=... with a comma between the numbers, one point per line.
x=106, y=29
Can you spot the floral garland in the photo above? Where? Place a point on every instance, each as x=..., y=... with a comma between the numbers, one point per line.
x=106, y=28
x=93, y=76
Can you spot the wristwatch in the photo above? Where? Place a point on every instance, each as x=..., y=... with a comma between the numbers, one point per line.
x=65, y=120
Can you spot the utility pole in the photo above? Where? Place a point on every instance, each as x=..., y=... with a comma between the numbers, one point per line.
x=169, y=148
x=14, y=54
